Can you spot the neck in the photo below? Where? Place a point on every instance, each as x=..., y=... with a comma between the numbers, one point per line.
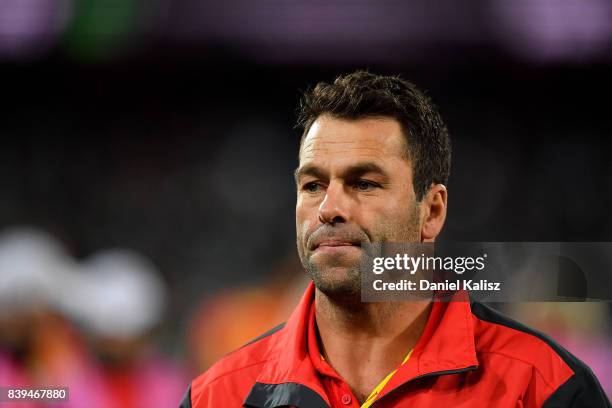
x=366, y=341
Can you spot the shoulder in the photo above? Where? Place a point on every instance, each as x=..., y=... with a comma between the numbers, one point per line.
x=498, y=333
x=555, y=369
x=236, y=371
x=252, y=354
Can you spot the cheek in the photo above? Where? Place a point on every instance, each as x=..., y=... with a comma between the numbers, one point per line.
x=302, y=220
x=390, y=220
x=306, y=208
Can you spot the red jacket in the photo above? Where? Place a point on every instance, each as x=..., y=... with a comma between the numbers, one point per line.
x=468, y=356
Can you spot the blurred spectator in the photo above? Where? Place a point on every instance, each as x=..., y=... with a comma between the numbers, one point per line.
x=120, y=301
x=38, y=346
x=116, y=297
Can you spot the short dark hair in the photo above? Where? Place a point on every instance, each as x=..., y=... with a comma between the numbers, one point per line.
x=362, y=94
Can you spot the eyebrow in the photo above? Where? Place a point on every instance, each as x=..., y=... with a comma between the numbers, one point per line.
x=354, y=171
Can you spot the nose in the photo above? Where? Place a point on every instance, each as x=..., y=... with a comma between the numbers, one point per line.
x=335, y=206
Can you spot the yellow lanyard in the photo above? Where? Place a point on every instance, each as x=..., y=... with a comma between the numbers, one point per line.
x=372, y=397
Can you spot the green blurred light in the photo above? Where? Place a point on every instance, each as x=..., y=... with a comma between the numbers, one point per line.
x=102, y=29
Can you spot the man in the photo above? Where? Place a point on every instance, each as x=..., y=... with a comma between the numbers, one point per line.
x=373, y=163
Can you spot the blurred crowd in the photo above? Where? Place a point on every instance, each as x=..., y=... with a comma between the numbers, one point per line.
x=89, y=326
x=94, y=325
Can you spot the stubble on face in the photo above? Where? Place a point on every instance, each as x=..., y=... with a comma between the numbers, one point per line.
x=338, y=277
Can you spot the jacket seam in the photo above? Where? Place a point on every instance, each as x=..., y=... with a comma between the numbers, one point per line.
x=530, y=364
x=226, y=373
x=469, y=334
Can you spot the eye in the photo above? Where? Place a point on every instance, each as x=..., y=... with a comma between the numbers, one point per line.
x=311, y=187
x=364, y=185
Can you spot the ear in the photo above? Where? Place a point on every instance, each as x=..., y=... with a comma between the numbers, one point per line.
x=433, y=212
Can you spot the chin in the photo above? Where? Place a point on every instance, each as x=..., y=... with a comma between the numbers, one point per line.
x=337, y=281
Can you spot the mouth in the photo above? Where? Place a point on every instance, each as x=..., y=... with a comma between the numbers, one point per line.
x=334, y=244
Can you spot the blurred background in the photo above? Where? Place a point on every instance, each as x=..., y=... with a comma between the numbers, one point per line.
x=146, y=191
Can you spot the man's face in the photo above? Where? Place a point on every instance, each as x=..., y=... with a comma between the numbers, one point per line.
x=354, y=186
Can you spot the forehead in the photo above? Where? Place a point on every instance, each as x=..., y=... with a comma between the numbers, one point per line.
x=377, y=139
